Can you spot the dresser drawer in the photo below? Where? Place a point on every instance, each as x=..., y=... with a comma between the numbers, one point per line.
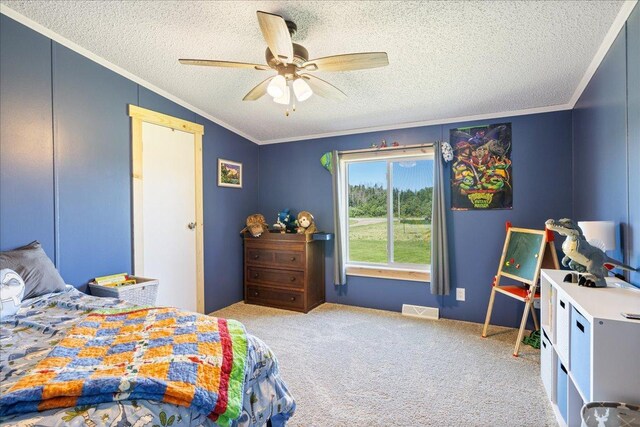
x=289, y=259
x=281, y=278
x=275, y=298
x=260, y=256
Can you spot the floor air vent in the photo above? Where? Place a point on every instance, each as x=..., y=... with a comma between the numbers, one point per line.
x=422, y=312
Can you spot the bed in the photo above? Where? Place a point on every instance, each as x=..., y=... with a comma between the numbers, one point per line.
x=29, y=336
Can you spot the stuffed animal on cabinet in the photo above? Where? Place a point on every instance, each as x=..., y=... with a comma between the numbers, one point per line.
x=256, y=225
x=306, y=223
x=286, y=222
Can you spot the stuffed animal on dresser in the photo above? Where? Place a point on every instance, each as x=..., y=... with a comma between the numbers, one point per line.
x=286, y=222
x=306, y=223
x=256, y=225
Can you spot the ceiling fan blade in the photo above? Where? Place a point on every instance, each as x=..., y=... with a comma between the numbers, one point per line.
x=276, y=33
x=324, y=89
x=226, y=64
x=348, y=62
x=259, y=91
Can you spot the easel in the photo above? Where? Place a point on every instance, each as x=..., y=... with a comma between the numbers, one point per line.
x=534, y=253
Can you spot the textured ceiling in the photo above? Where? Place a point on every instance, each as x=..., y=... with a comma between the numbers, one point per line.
x=447, y=59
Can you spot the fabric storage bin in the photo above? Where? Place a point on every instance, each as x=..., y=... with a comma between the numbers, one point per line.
x=613, y=414
x=547, y=367
x=561, y=390
x=581, y=352
x=143, y=292
x=563, y=326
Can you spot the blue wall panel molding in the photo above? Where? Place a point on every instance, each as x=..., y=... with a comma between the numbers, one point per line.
x=542, y=189
x=606, y=143
x=26, y=142
x=93, y=166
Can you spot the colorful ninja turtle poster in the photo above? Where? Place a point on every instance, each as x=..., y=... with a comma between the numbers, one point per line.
x=481, y=172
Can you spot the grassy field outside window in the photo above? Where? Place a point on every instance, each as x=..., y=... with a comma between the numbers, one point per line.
x=408, y=202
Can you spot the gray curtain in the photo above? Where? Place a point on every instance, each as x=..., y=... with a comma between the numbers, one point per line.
x=439, y=247
x=339, y=221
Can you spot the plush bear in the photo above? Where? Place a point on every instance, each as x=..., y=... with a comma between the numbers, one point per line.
x=306, y=223
x=256, y=225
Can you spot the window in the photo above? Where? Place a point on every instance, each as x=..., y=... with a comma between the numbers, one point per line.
x=389, y=210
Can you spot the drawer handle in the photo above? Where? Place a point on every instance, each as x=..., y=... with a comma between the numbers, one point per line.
x=256, y=293
x=293, y=299
x=256, y=256
x=293, y=258
x=580, y=326
x=255, y=275
x=561, y=303
x=293, y=279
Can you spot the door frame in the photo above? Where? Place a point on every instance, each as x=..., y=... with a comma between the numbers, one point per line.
x=138, y=116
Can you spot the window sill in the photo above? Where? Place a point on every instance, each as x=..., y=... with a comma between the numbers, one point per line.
x=389, y=273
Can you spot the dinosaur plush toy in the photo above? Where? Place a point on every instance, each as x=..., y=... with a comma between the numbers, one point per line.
x=583, y=257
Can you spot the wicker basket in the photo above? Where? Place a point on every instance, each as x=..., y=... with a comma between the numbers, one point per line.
x=144, y=292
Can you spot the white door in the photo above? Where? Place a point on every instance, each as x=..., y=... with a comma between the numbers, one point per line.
x=169, y=214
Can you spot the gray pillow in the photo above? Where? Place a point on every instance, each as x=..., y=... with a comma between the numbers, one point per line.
x=36, y=269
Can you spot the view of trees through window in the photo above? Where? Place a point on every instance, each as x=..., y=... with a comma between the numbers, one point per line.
x=370, y=232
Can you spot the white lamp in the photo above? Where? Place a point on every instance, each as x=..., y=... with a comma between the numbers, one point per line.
x=601, y=234
x=277, y=86
x=301, y=89
x=285, y=98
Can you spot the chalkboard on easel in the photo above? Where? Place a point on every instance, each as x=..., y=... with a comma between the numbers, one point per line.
x=522, y=255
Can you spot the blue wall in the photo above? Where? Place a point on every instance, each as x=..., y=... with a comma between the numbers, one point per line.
x=291, y=176
x=606, y=144
x=26, y=140
x=65, y=176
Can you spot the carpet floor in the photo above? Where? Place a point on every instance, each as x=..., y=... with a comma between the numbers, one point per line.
x=351, y=366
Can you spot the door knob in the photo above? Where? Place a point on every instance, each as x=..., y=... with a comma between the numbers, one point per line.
x=191, y=225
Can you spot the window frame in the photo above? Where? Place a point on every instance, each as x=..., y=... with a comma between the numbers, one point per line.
x=394, y=270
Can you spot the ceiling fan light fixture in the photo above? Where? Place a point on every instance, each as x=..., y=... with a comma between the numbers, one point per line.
x=285, y=98
x=277, y=87
x=301, y=89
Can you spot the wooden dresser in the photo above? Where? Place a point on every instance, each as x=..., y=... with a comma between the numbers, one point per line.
x=284, y=271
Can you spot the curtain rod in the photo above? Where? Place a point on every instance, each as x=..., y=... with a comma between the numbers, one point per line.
x=382, y=149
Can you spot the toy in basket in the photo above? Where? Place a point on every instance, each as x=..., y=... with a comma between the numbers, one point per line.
x=136, y=290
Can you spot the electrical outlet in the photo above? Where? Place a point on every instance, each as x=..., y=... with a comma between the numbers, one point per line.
x=460, y=294
x=536, y=304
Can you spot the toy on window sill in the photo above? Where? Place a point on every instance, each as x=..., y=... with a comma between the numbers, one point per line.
x=306, y=223
x=286, y=222
x=590, y=262
x=256, y=225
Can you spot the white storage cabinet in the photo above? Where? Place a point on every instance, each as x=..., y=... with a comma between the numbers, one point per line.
x=590, y=352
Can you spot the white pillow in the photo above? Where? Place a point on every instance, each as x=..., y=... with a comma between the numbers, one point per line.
x=11, y=292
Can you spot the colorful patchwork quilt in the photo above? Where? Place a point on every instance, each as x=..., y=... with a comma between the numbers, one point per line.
x=162, y=354
x=154, y=366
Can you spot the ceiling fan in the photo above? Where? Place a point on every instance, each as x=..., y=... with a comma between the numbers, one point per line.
x=291, y=62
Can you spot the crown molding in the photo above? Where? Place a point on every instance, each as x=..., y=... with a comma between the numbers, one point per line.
x=5, y=10
x=607, y=42
x=488, y=116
